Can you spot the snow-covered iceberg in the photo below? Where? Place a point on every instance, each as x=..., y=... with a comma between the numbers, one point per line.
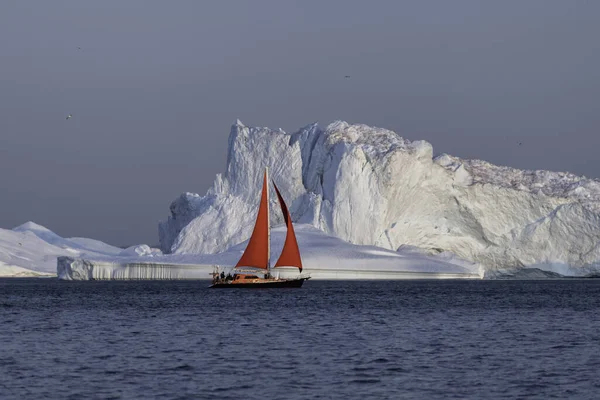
x=369, y=186
x=367, y=204
x=323, y=257
x=31, y=250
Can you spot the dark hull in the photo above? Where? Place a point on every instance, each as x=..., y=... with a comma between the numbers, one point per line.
x=283, y=283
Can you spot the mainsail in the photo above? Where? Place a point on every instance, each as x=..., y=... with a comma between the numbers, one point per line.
x=290, y=255
x=257, y=252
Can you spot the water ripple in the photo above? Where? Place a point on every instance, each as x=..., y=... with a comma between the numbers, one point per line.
x=411, y=339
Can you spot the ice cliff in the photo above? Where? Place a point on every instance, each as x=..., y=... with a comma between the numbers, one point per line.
x=370, y=186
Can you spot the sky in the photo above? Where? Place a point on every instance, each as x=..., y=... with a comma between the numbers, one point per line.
x=154, y=86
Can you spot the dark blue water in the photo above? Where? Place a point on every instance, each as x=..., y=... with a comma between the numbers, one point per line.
x=403, y=339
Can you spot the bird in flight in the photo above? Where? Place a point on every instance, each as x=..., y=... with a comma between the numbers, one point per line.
x=69, y=116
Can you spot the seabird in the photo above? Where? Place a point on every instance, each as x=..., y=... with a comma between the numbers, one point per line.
x=69, y=116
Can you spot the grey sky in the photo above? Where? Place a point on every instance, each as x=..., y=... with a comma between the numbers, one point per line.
x=157, y=84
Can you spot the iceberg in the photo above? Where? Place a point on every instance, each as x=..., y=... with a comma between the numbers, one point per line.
x=31, y=250
x=366, y=204
x=369, y=186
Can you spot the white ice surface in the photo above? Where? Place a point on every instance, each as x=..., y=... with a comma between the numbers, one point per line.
x=31, y=250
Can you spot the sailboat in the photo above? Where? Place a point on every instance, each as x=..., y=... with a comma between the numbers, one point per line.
x=253, y=270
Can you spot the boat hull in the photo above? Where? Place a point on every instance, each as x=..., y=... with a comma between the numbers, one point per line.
x=279, y=283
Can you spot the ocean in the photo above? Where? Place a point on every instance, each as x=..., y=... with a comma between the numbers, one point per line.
x=436, y=339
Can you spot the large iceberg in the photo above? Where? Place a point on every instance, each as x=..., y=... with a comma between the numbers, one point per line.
x=370, y=186
x=367, y=204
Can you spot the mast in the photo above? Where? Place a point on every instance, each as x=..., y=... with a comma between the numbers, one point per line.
x=268, y=222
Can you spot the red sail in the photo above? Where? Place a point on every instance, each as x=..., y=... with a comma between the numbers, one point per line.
x=257, y=251
x=290, y=255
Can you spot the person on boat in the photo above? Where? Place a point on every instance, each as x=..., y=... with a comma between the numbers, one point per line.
x=228, y=277
x=222, y=274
